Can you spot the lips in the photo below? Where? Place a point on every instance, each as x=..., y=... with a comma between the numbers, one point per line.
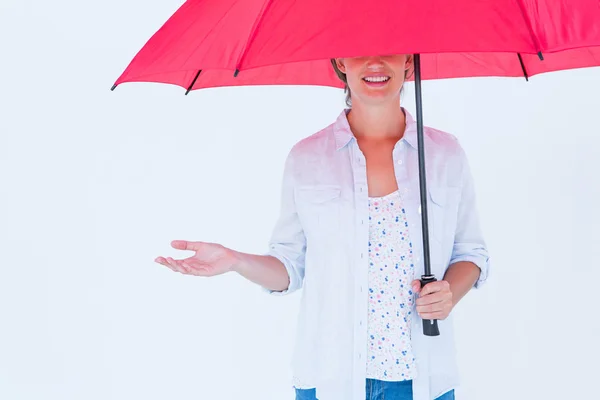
x=376, y=79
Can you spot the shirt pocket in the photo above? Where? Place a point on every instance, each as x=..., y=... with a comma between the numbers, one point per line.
x=443, y=211
x=318, y=208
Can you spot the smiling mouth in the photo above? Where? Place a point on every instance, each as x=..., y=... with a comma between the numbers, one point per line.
x=376, y=79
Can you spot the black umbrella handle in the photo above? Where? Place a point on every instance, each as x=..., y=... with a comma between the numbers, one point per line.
x=430, y=326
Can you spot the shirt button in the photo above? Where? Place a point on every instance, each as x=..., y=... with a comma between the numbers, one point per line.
x=399, y=161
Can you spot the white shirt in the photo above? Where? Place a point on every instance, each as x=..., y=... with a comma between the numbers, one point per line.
x=322, y=238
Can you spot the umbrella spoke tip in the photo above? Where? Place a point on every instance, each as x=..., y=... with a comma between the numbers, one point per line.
x=113, y=87
x=540, y=55
x=235, y=74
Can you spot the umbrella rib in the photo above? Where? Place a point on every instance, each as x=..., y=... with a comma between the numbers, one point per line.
x=523, y=67
x=258, y=21
x=534, y=38
x=193, y=82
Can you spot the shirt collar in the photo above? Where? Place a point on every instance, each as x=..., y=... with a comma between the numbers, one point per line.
x=343, y=133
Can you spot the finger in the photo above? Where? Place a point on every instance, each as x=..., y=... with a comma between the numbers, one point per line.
x=432, y=298
x=182, y=267
x=436, y=307
x=163, y=261
x=434, y=287
x=416, y=285
x=171, y=264
x=195, y=269
x=176, y=265
x=193, y=263
x=186, y=245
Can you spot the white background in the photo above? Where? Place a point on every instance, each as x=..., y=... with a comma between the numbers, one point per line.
x=95, y=184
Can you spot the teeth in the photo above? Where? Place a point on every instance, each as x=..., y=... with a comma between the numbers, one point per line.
x=376, y=78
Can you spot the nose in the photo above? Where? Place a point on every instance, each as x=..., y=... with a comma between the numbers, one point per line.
x=374, y=62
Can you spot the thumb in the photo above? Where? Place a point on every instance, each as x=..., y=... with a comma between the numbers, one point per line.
x=416, y=285
x=186, y=245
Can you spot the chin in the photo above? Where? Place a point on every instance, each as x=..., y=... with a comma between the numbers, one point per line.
x=376, y=99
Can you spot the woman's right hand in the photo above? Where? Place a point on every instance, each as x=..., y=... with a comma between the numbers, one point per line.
x=210, y=259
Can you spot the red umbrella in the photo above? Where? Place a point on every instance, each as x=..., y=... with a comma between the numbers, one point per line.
x=268, y=42
x=211, y=43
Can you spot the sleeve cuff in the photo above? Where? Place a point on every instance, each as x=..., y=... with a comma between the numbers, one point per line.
x=294, y=284
x=483, y=263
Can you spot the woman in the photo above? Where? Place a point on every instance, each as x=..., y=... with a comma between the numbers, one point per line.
x=349, y=233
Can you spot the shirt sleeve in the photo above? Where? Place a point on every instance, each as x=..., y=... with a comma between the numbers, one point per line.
x=288, y=242
x=469, y=244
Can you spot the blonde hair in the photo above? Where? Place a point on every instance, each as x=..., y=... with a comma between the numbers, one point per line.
x=343, y=78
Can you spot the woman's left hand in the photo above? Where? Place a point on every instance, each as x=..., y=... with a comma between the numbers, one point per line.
x=434, y=300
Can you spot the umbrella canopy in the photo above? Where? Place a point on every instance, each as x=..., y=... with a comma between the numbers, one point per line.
x=281, y=42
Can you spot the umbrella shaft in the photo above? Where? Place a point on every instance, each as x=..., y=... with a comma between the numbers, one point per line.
x=430, y=327
x=422, y=174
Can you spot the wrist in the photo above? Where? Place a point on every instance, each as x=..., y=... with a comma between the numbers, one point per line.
x=236, y=261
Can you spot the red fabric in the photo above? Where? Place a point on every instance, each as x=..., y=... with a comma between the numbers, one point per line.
x=285, y=42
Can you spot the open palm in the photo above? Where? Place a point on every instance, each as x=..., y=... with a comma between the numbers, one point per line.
x=210, y=259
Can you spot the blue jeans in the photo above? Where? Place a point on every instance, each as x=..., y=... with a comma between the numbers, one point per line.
x=379, y=390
